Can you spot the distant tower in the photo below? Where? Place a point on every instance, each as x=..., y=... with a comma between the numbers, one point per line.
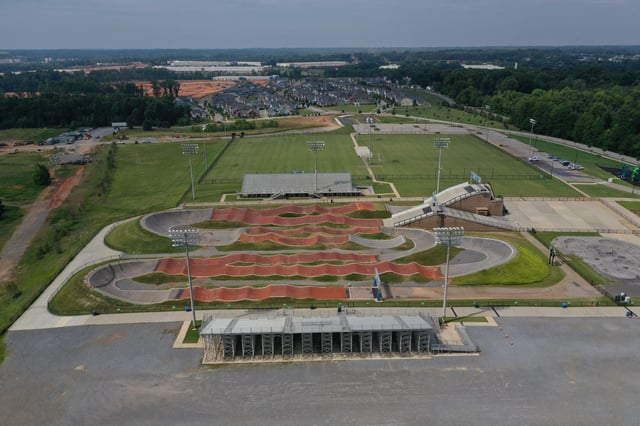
x=515, y=67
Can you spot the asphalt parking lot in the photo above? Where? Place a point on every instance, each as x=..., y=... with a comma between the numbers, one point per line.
x=570, y=371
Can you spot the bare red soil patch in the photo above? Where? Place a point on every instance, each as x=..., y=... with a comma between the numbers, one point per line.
x=203, y=267
x=312, y=230
x=195, y=88
x=256, y=217
x=63, y=191
x=261, y=293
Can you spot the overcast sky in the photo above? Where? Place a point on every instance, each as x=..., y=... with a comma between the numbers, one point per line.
x=88, y=24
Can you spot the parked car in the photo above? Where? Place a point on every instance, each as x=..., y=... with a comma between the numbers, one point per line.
x=534, y=158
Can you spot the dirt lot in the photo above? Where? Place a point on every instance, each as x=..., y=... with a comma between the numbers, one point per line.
x=195, y=88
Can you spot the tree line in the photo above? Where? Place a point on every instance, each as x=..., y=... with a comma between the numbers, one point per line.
x=51, y=99
x=595, y=102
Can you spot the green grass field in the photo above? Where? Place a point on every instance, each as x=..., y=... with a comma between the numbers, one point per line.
x=29, y=135
x=411, y=163
x=528, y=268
x=632, y=206
x=279, y=154
x=602, y=191
x=17, y=189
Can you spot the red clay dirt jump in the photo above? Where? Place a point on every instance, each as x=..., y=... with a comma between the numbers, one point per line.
x=203, y=267
x=334, y=215
x=251, y=293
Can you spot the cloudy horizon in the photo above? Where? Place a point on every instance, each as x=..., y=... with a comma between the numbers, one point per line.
x=200, y=24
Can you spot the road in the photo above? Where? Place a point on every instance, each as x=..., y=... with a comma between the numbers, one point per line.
x=531, y=371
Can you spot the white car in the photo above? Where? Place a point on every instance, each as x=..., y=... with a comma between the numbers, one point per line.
x=534, y=158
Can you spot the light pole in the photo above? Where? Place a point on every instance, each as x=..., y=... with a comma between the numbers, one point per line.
x=486, y=122
x=440, y=143
x=533, y=123
x=204, y=142
x=185, y=238
x=315, y=147
x=449, y=236
x=190, y=149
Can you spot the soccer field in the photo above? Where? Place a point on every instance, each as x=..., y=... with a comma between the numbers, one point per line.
x=280, y=154
x=409, y=161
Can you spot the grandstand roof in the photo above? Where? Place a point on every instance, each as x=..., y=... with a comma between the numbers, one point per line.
x=315, y=324
x=268, y=184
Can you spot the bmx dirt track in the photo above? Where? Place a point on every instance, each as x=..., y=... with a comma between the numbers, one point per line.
x=304, y=268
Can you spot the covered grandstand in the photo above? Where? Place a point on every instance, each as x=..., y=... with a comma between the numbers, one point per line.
x=287, y=185
x=331, y=336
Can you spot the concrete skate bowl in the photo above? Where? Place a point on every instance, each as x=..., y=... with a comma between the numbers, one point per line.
x=160, y=223
x=261, y=293
x=616, y=260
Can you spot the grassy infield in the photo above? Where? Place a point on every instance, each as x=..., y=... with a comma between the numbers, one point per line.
x=149, y=177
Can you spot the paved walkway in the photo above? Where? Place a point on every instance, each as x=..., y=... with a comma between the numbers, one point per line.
x=29, y=321
x=37, y=315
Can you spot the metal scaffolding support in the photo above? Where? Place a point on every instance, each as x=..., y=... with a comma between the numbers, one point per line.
x=385, y=340
x=229, y=343
x=346, y=342
x=403, y=340
x=307, y=343
x=287, y=345
x=327, y=343
x=248, y=345
x=366, y=341
x=423, y=340
x=268, y=343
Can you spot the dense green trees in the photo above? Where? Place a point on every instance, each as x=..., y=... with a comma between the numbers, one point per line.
x=54, y=99
x=605, y=118
x=591, y=101
x=41, y=175
x=50, y=110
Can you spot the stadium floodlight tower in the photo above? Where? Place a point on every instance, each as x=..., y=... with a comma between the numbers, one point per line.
x=190, y=149
x=186, y=238
x=204, y=142
x=440, y=143
x=449, y=236
x=533, y=123
x=486, y=122
x=315, y=147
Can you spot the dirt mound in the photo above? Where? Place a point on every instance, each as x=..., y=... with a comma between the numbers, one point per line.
x=251, y=293
x=203, y=267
